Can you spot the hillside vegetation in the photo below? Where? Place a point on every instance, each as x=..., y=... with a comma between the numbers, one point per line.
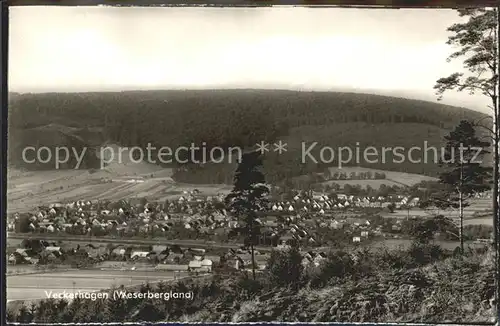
x=419, y=284
x=228, y=118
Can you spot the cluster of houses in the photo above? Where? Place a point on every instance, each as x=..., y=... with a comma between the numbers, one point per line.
x=158, y=257
x=98, y=218
x=322, y=203
x=204, y=217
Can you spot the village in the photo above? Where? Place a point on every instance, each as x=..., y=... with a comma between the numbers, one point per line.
x=314, y=220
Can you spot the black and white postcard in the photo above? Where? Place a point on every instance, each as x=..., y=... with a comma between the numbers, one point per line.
x=267, y=164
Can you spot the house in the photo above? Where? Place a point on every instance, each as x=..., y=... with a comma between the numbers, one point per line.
x=235, y=262
x=56, y=205
x=119, y=252
x=56, y=251
x=215, y=259
x=396, y=228
x=194, y=265
x=336, y=225
x=356, y=239
x=233, y=224
x=50, y=256
x=197, y=251
x=318, y=259
x=271, y=223
x=306, y=261
x=414, y=201
x=245, y=258
x=356, y=221
x=139, y=254
x=20, y=256
x=207, y=265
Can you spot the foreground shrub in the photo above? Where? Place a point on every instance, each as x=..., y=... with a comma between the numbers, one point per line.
x=454, y=291
x=285, y=267
x=422, y=254
x=361, y=286
x=249, y=287
x=338, y=264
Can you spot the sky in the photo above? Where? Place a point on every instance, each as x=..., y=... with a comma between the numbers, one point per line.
x=400, y=52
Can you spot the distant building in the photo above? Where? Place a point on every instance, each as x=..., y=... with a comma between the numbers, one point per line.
x=198, y=266
x=139, y=254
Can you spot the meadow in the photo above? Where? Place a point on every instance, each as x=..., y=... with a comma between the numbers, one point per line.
x=33, y=286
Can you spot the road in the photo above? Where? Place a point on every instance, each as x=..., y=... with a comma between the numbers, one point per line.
x=122, y=241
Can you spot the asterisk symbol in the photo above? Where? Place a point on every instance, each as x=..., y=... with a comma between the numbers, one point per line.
x=262, y=147
x=280, y=147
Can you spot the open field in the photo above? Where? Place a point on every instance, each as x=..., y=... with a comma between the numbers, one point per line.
x=468, y=219
x=401, y=213
x=375, y=184
x=34, y=269
x=478, y=221
x=479, y=212
x=121, y=179
x=33, y=286
x=406, y=243
x=80, y=185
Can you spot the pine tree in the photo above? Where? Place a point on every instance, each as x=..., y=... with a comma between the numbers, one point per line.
x=464, y=174
x=477, y=42
x=285, y=267
x=249, y=196
x=426, y=229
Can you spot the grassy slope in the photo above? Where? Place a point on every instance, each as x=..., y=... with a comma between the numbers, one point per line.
x=452, y=290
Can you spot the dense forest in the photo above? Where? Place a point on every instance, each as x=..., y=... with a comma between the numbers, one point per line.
x=228, y=118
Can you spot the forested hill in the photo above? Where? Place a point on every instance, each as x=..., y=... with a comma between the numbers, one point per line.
x=236, y=118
